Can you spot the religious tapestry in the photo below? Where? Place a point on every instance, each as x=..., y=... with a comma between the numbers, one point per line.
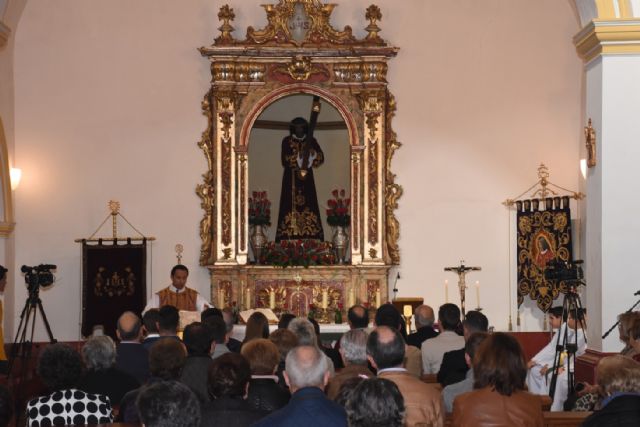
x=114, y=281
x=544, y=238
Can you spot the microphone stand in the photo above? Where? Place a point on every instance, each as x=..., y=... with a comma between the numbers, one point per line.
x=395, y=286
x=606, y=334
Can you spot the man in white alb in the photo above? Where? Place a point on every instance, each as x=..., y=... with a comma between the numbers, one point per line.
x=178, y=294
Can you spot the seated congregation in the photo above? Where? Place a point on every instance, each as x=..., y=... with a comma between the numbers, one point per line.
x=446, y=373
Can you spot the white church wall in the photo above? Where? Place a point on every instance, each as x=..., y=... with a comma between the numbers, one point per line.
x=613, y=233
x=108, y=106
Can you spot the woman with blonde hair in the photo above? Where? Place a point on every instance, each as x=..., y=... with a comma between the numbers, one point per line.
x=618, y=380
x=626, y=323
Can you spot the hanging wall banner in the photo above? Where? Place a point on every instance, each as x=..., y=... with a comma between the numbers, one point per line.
x=544, y=236
x=114, y=281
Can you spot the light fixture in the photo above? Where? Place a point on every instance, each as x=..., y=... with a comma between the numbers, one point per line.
x=583, y=168
x=15, y=175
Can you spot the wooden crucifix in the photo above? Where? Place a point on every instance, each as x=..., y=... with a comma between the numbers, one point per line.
x=462, y=271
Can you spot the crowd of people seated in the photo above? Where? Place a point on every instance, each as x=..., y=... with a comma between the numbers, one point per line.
x=374, y=375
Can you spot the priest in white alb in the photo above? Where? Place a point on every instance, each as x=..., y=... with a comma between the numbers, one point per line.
x=178, y=294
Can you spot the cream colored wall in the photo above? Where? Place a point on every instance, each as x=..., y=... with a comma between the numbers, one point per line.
x=108, y=106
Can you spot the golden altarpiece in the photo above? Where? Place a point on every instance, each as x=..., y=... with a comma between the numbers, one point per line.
x=298, y=52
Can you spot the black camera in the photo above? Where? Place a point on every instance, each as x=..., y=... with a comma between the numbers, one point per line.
x=569, y=271
x=38, y=276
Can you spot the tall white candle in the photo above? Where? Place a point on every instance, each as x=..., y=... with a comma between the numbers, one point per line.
x=325, y=298
x=378, y=299
x=272, y=299
x=351, y=300
x=478, y=293
x=446, y=291
x=247, y=302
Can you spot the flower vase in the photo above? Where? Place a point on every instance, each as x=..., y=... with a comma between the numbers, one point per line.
x=258, y=241
x=338, y=317
x=340, y=243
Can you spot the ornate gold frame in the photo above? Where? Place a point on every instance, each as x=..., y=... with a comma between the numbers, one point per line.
x=248, y=75
x=7, y=223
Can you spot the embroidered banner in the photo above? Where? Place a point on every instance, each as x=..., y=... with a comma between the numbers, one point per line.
x=114, y=281
x=544, y=236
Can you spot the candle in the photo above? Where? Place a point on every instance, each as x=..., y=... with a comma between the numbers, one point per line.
x=351, y=298
x=446, y=291
x=247, y=302
x=378, y=298
x=325, y=299
x=478, y=293
x=407, y=311
x=221, y=298
x=272, y=299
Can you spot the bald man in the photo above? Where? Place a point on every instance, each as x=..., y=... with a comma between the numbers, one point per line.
x=307, y=374
x=424, y=318
x=131, y=356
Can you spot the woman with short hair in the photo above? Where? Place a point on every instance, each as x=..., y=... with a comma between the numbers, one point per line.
x=228, y=380
x=102, y=376
x=264, y=392
x=618, y=380
x=60, y=368
x=499, y=397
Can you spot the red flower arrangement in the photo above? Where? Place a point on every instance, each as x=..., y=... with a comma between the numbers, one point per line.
x=338, y=210
x=288, y=253
x=259, y=209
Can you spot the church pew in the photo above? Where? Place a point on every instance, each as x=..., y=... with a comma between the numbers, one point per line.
x=564, y=419
x=551, y=419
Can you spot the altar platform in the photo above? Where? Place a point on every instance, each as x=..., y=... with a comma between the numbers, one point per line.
x=328, y=332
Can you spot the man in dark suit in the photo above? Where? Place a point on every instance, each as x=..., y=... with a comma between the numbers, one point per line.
x=424, y=318
x=131, y=356
x=150, y=320
x=307, y=374
x=454, y=365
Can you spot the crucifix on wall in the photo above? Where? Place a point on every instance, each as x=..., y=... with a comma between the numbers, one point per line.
x=462, y=271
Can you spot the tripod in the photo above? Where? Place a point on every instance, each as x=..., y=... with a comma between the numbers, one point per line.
x=566, y=343
x=21, y=346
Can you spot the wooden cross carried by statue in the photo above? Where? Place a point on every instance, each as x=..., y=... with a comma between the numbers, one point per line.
x=462, y=271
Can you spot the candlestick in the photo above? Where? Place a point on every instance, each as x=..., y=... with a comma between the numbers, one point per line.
x=247, y=302
x=220, y=298
x=407, y=311
x=478, y=293
x=378, y=298
x=325, y=299
x=352, y=298
x=272, y=299
x=446, y=291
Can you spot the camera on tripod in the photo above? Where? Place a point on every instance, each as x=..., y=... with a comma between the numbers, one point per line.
x=38, y=276
x=564, y=271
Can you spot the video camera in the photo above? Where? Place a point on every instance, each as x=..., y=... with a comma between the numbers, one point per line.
x=38, y=276
x=564, y=271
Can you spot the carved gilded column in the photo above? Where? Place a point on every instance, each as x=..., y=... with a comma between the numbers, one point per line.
x=243, y=197
x=226, y=175
x=373, y=108
x=356, y=203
